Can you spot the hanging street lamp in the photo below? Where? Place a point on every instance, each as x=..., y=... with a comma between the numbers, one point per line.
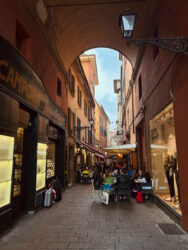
x=127, y=22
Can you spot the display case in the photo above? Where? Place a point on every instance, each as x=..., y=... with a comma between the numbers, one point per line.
x=41, y=166
x=6, y=168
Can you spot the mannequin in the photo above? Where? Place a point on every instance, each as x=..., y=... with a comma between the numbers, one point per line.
x=176, y=172
x=170, y=167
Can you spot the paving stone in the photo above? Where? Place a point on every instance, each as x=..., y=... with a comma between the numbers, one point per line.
x=78, y=223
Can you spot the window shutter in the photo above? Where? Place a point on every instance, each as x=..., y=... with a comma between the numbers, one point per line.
x=74, y=120
x=78, y=95
x=80, y=98
x=69, y=121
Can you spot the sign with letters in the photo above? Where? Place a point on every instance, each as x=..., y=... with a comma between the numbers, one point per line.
x=19, y=78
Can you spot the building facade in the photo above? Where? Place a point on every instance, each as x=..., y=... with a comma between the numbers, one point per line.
x=156, y=117
x=33, y=115
x=80, y=108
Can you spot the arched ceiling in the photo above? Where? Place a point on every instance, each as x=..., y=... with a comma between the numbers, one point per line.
x=85, y=24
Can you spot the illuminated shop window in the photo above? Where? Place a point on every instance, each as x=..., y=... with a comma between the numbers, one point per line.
x=164, y=158
x=18, y=165
x=41, y=166
x=6, y=166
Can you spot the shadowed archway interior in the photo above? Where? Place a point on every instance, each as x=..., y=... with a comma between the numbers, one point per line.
x=76, y=26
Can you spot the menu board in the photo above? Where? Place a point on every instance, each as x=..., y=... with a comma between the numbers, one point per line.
x=41, y=166
x=6, y=167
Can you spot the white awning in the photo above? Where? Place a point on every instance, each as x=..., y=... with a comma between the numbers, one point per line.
x=122, y=149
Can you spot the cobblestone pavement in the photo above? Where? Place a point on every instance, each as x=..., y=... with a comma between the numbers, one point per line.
x=77, y=222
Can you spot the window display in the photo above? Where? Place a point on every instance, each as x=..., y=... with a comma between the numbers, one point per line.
x=50, y=168
x=18, y=162
x=41, y=166
x=6, y=166
x=164, y=158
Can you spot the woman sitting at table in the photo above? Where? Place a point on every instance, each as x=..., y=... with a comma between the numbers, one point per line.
x=108, y=181
x=139, y=179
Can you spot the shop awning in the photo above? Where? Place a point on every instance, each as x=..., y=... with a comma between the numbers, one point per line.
x=122, y=149
x=92, y=149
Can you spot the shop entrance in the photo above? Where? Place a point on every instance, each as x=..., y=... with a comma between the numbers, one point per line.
x=19, y=173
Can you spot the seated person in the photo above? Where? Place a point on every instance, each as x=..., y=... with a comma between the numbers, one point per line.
x=147, y=179
x=138, y=179
x=85, y=173
x=108, y=181
x=147, y=185
x=123, y=184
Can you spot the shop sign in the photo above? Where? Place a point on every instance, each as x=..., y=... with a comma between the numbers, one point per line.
x=17, y=76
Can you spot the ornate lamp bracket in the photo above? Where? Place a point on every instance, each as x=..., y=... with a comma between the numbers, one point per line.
x=175, y=45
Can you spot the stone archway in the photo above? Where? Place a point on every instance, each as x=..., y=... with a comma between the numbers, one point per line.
x=76, y=26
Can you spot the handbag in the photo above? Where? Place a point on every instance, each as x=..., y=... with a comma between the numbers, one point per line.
x=105, y=198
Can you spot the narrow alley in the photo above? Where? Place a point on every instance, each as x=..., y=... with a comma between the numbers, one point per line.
x=77, y=222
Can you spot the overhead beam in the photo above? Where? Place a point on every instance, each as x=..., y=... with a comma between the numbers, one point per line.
x=92, y=4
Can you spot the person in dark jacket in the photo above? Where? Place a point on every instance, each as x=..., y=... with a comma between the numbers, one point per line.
x=97, y=183
x=123, y=184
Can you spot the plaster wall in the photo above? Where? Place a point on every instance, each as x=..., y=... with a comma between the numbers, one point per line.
x=36, y=52
x=164, y=80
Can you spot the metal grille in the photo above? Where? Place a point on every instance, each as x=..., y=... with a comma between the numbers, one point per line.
x=170, y=229
x=50, y=168
x=18, y=163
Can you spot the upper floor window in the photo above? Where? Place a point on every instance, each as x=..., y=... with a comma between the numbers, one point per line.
x=89, y=113
x=71, y=83
x=71, y=122
x=22, y=40
x=85, y=108
x=78, y=127
x=128, y=119
x=101, y=130
x=79, y=97
x=155, y=48
x=140, y=86
x=58, y=87
x=105, y=133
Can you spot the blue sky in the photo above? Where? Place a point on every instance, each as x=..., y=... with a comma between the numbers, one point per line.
x=108, y=67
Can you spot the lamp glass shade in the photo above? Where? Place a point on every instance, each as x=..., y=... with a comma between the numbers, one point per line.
x=127, y=24
x=91, y=121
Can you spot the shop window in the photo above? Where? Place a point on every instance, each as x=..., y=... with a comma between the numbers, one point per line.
x=164, y=158
x=58, y=87
x=18, y=165
x=140, y=86
x=71, y=83
x=50, y=167
x=6, y=168
x=41, y=166
x=22, y=40
x=155, y=48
